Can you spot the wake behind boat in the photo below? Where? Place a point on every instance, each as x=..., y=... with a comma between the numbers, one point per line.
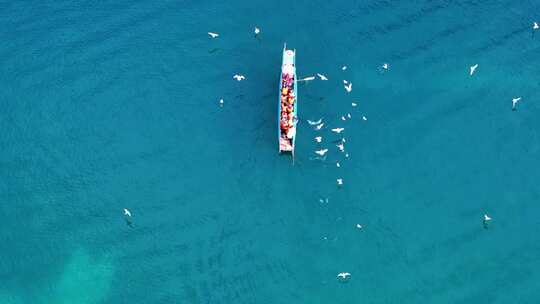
x=288, y=103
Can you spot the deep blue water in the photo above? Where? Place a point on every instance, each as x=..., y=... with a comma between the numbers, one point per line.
x=108, y=105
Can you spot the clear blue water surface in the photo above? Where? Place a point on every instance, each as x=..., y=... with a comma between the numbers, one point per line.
x=108, y=105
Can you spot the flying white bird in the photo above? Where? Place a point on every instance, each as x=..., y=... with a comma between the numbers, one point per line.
x=353, y=104
x=213, y=35
x=487, y=218
x=358, y=226
x=343, y=68
x=347, y=155
x=338, y=130
x=127, y=212
x=515, y=102
x=310, y=78
x=338, y=165
x=339, y=181
x=221, y=102
x=322, y=77
x=349, y=115
x=348, y=88
x=364, y=118
x=535, y=26
x=318, y=139
x=343, y=275
x=314, y=122
x=345, y=82
x=385, y=66
x=341, y=147
x=343, y=118
x=321, y=152
x=257, y=31
x=318, y=127
x=239, y=77
x=473, y=68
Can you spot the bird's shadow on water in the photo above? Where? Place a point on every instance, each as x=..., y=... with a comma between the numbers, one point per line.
x=129, y=223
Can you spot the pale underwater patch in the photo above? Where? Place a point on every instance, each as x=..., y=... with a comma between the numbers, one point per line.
x=85, y=280
x=6, y=298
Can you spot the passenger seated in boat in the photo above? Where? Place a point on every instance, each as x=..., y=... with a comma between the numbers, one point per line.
x=290, y=109
x=290, y=120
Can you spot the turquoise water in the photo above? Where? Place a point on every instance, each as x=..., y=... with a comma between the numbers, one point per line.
x=115, y=104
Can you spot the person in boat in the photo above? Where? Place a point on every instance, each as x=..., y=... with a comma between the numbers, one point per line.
x=290, y=109
x=290, y=119
x=291, y=99
x=284, y=121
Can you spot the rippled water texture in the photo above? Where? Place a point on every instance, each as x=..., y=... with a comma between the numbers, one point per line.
x=108, y=105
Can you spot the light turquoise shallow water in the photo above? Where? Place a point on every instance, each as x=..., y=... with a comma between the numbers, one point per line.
x=114, y=104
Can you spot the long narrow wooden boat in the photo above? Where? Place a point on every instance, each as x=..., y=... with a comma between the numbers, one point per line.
x=287, y=102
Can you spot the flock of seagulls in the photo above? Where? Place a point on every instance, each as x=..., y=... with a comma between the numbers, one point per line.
x=318, y=124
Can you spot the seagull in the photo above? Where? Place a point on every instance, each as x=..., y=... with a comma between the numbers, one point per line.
x=343, y=68
x=339, y=181
x=321, y=152
x=310, y=78
x=364, y=118
x=338, y=130
x=257, y=31
x=341, y=147
x=239, y=77
x=345, y=82
x=343, y=118
x=473, y=68
x=347, y=155
x=316, y=122
x=322, y=77
x=338, y=165
x=385, y=66
x=221, y=102
x=343, y=275
x=318, y=127
x=354, y=104
x=127, y=212
x=349, y=115
x=213, y=35
x=515, y=102
x=358, y=226
x=486, y=220
x=318, y=139
x=348, y=88
x=535, y=26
